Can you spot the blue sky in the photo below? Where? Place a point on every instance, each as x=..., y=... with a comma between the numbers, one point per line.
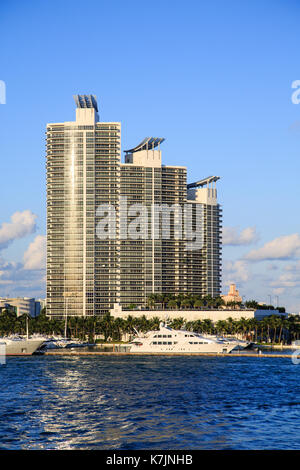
x=212, y=77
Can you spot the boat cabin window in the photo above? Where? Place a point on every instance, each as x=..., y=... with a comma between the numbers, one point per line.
x=162, y=342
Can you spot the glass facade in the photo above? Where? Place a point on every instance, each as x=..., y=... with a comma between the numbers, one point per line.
x=82, y=173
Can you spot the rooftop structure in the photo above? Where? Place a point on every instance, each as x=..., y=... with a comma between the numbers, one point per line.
x=204, y=182
x=147, y=144
x=86, y=101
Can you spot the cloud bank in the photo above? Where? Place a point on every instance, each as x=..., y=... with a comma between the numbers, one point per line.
x=235, y=272
x=281, y=248
x=22, y=224
x=27, y=278
x=35, y=255
x=232, y=237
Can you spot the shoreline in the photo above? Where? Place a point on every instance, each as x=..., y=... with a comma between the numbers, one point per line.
x=118, y=353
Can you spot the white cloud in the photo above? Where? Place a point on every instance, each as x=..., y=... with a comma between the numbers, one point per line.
x=272, y=267
x=17, y=281
x=285, y=247
x=231, y=236
x=35, y=255
x=22, y=224
x=289, y=279
x=26, y=278
x=295, y=267
x=235, y=272
x=278, y=291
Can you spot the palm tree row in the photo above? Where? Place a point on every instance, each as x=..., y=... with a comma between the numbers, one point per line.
x=273, y=328
x=183, y=301
x=77, y=327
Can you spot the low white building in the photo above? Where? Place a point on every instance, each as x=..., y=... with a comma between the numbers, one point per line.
x=192, y=315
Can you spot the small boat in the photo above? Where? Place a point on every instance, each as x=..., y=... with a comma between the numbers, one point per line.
x=63, y=343
x=168, y=340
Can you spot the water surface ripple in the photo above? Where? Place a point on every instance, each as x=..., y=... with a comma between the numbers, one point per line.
x=149, y=403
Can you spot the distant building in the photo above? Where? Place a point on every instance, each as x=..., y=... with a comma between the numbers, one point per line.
x=233, y=295
x=22, y=305
x=39, y=305
x=5, y=306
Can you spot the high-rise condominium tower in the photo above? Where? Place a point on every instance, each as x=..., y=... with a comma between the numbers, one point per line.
x=88, y=271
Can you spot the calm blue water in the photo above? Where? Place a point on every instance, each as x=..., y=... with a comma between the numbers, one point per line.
x=149, y=403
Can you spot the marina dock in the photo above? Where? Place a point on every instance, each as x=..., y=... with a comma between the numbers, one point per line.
x=119, y=353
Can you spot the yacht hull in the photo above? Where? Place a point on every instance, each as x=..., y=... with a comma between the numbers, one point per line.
x=224, y=349
x=21, y=347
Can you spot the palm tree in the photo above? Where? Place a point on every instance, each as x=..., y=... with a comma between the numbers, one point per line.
x=242, y=326
x=177, y=323
x=256, y=324
x=189, y=326
x=161, y=299
x=154, y=323
x=267, y=323
x=198, y=303
x=185, y=303
x=208, y=326
x=143, y=324
x=283, y=324
x=251, y=304
x=172, y=304
x=151, y=301
x=106, y=324
x=222, y=326
x=218, y=302
x=198, y=326
x=208, y=301
x=276, y=323
x=118, y=328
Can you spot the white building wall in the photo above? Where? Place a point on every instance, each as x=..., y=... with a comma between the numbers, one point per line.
x=192, y=315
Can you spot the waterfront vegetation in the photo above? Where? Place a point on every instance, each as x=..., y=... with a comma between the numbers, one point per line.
x=272, y=329
x=196, y=302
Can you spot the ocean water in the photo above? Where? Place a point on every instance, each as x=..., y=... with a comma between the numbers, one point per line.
x=52, y=402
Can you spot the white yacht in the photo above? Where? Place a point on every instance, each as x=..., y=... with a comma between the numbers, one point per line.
x=167, y=340
x=20, y=346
